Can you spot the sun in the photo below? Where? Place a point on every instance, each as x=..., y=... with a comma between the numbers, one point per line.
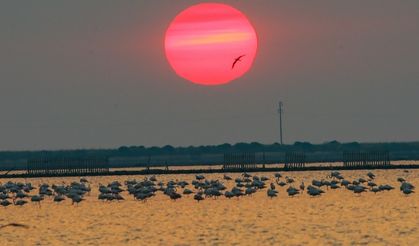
x=211, y=44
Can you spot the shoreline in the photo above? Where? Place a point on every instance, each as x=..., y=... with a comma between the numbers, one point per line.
x=209, y=170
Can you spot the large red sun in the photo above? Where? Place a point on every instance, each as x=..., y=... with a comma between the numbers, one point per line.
x=210, y=44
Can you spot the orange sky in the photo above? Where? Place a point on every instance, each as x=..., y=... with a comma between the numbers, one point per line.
x=76, y=74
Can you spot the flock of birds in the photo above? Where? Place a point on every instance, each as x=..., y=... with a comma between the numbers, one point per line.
x=19, y=194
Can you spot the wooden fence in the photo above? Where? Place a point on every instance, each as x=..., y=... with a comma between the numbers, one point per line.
x=240, y=161
x=67, y=166
x=366, y=159
x=295, y=160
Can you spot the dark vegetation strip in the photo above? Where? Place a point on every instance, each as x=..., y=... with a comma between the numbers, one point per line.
x=137, y=151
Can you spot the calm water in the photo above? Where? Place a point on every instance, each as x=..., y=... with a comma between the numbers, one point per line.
x=338, y=217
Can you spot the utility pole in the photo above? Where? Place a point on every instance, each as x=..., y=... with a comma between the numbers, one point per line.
x=280, y=112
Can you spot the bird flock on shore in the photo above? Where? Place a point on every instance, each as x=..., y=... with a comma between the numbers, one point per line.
x=19, y=194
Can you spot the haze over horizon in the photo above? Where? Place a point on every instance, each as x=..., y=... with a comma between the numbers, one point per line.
x=94, y=74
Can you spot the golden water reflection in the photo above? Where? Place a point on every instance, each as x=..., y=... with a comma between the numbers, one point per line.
x=338, y=217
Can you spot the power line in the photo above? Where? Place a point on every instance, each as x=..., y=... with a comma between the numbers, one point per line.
x=280, y=112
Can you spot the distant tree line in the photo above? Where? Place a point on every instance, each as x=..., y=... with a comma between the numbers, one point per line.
x=128, y=151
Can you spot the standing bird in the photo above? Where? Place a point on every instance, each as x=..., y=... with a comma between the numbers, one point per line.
x=272, y=186
x=289, y=180
x=229, y=194
x=371, y=184
x=407, y=191
x=199, y=177
x=5, y=203
x=187, y=191
x=271, y=193
x=174, y=196
x=302, y=185
x=20, y=202
x=292, y=191
x=76, y=199
x=59, y=198
x=226, y=177
x=358, y=189
x=313, y=191
x=37, y=199
x=375, y=189
x=198, y=197
x=237, y=60
x=406, y=185
x=371, y=175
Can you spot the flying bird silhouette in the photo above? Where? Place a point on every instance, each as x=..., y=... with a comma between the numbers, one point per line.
x=237, y=60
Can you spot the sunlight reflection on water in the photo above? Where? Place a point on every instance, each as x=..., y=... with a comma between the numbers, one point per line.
x=337, y=217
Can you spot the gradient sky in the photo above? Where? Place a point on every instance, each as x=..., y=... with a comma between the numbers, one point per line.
x=76, y=74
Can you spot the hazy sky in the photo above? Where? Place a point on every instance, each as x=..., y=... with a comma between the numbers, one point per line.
x=78, y=73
